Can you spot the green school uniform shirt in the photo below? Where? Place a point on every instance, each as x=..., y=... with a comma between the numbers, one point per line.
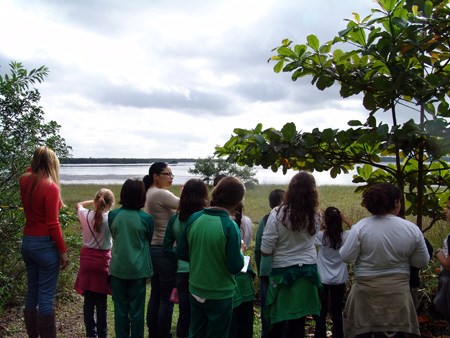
x=173, y=232
x=132, y=231
x=211, y=242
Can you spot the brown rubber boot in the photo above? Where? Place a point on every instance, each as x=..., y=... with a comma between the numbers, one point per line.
x=30, y=316
x=47, y=325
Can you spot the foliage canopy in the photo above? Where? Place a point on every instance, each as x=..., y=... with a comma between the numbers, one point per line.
x=22, y=130
x=399, y=57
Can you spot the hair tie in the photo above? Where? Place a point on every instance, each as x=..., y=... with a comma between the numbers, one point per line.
x=100, y=196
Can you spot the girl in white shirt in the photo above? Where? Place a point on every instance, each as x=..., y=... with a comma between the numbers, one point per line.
x=289, y=239
x=95, y=255
x=332, y=270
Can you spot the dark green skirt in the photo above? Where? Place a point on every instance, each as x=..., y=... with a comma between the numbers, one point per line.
x=286, y=302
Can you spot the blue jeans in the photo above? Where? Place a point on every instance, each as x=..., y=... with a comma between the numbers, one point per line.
x=42, y=260
x=160, y=308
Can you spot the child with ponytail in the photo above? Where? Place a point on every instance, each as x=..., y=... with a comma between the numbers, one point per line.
x=92, y=280
x=332, y=271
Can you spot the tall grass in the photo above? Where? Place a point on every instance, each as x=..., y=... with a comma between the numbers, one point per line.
x=256, y=205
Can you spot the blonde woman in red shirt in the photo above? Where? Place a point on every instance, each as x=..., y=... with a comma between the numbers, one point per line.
x=43, y=248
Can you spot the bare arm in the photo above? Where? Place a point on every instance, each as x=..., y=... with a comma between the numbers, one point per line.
x=84, y=204
x=444, y=261
x=346, y=220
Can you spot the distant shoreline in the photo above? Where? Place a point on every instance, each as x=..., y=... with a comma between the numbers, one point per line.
x=92, y=160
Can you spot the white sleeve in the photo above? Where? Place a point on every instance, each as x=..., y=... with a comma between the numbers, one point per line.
x=82, y=214
x=270, y=234
x=350, y=250
x=318, y=240
x=420, y=257
x=247, y=225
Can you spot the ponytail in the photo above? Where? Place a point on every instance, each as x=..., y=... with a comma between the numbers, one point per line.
x=332, y=237
x=155, y=168
x=105, y=200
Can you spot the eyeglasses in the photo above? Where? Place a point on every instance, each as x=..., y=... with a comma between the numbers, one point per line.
x=167, y=174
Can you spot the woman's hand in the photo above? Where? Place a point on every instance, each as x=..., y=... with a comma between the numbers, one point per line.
x=64, y=260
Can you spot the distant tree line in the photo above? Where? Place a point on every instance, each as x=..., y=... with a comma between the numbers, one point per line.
x=92, y=160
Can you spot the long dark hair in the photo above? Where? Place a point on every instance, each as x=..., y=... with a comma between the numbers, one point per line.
x=332, y=237
x=155, y=168
x=301, y=203
x=194, y=197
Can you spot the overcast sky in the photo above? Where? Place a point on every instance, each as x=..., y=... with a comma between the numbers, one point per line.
x=172, y=78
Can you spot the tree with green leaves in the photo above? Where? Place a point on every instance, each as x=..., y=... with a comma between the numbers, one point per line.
x=208, y=168
x=398, y=57
x=22, y=130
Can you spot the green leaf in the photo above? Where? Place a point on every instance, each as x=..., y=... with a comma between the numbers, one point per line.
x=345, y=31
x=335, y=171
x=369, y=101
x=324, y=82
x=383, y=130
x=279, y=66
x=428, y=10
x=300, y=50
x=313, y=42
x=400, y=22
x=328, y=135
x=430, y=109
x=284, y=51
x=260, y=139
x=289, y=130
x=240, y=132
x=354, y=123
x=387, y=5
x=337, y=55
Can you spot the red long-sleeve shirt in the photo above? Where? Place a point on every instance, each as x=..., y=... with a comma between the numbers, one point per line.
x=42, y=210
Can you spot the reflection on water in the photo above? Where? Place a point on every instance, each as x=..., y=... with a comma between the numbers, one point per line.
x=118, y=173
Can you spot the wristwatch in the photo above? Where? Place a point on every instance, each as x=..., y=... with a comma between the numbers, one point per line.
x=436, y=252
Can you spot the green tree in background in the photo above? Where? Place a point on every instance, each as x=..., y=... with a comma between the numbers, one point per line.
x=398, y=59
x=208, y=168
x=22, y=130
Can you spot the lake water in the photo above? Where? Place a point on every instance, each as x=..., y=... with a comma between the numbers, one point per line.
x=117, y=174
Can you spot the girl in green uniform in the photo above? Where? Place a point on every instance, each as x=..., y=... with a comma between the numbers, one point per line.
x=194, y=198
x=132, y=231
x=211, y=242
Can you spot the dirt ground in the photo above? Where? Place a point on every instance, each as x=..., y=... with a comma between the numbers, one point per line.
x=70, y=324
x=69, y=320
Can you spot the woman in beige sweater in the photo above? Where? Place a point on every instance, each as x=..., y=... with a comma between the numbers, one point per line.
x=161, y=204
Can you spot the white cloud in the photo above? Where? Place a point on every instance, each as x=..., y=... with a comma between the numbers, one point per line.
x=171, y=78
